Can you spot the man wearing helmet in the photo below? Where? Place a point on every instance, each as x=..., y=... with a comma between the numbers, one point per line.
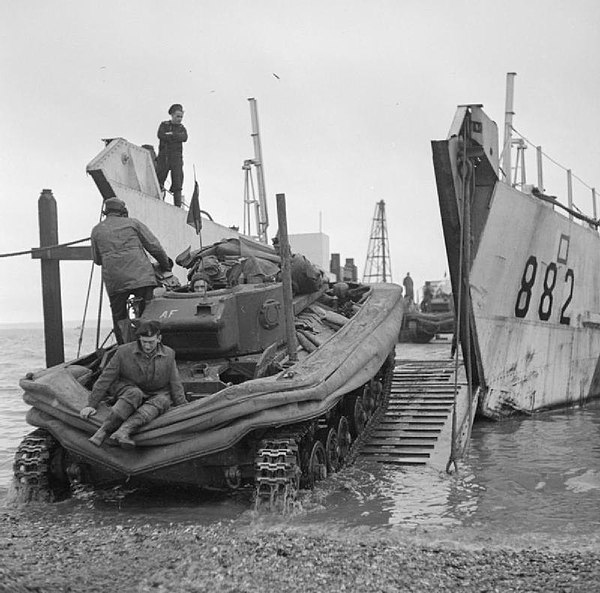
x=144, y=379
x=172, y=134
x=119, y=245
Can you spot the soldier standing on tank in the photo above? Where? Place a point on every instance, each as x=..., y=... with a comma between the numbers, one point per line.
x=408, y=287
x=172, y=134
x=143, y=376
x=119, y=245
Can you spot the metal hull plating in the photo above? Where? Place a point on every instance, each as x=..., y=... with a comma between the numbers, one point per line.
x=535, y=306
x=529, y=276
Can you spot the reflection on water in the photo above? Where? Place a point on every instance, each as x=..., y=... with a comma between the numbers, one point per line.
x=538, y=474
x=535, y=474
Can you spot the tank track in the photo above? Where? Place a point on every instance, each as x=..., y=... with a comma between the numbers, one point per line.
x=278, y=470
x=32, y=467
x=386, y=380
x=282, y=456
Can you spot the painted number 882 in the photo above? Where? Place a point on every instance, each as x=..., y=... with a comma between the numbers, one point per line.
x=546, y=303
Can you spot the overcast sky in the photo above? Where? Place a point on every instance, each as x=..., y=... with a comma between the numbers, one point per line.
x=361, y=88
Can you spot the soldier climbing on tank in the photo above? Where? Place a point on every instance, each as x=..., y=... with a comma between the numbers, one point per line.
x=119, y=245
x=408, y=287
x=172, y=134
x=143, y=377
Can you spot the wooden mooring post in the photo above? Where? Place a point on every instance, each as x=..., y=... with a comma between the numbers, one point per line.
x=286, y=279
x=51, y=253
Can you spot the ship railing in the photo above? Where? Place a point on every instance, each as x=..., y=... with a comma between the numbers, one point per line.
x=552, y=176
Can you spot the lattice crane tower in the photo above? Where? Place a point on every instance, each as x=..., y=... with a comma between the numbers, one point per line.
x=378, y=267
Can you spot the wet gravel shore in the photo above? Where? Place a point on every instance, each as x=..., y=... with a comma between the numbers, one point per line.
x=49, y=552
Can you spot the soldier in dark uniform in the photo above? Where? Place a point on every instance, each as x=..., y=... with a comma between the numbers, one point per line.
x=172, y=135
x=408, y=287
x=143, y=376
x=119, y=245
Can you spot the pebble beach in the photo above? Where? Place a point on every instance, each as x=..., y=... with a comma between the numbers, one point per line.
x=48, y=552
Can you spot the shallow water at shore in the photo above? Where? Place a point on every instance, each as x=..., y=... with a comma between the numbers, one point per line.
x=539, y=474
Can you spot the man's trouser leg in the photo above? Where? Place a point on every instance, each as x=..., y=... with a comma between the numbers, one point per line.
x=176, y=163
x=118, y=307
x=149, y=410
x=145, y=295
x=118, y=413
x=162, y=169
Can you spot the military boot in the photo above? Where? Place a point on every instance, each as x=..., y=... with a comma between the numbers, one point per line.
x=99, y=437
x=108, y=426
x=123, y=435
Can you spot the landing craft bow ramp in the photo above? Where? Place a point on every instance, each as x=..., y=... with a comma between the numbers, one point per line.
x=416, y=427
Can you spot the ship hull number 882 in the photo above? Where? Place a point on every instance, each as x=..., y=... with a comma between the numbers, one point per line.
x=552, y=290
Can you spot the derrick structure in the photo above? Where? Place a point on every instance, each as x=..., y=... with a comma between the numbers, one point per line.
x=251, y=201
x=378, y=265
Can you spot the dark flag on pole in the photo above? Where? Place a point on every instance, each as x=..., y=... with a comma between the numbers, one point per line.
x=193, y=218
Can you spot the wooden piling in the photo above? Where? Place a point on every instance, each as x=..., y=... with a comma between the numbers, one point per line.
x=286, y=279
x=51, y=290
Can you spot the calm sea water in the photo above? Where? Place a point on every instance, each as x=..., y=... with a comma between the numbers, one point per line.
x=538, y=474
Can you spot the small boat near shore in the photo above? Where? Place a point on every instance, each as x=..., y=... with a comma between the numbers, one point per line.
x=526, y=269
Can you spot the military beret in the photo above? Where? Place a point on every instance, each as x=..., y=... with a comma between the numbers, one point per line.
x=146, y=327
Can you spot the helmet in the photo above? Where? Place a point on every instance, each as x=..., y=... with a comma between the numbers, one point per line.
x=115, y=205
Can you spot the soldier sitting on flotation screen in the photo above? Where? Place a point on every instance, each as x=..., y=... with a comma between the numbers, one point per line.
x=119, y=245
x=143, y=376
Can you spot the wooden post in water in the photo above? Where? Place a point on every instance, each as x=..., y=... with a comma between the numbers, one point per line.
x=50, y=252
x=51, y=292
x=286, y=279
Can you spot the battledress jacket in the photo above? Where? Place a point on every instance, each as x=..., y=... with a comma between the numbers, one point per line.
x=130, y=366
x=118, y=245
x=171, y=144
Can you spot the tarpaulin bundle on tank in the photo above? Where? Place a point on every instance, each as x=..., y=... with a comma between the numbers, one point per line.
x=238, y=247
x=252, y=261
x=432, y=323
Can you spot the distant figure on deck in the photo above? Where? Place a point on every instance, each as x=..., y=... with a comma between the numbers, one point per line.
x=408, y=287
x=143, y=377
x=119, y=245
x=171, y=135
x=427, y=296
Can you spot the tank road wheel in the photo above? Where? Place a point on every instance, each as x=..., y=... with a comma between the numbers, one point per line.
x=329, y=438
x=359, y=416
x=368, y=400
x=344, y=439
x=377, y=391
x=316, y=467
x=39, y=468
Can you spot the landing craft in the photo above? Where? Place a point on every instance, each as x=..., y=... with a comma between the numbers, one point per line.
x=525, y=270
x=433, y=316
x=257, y=413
